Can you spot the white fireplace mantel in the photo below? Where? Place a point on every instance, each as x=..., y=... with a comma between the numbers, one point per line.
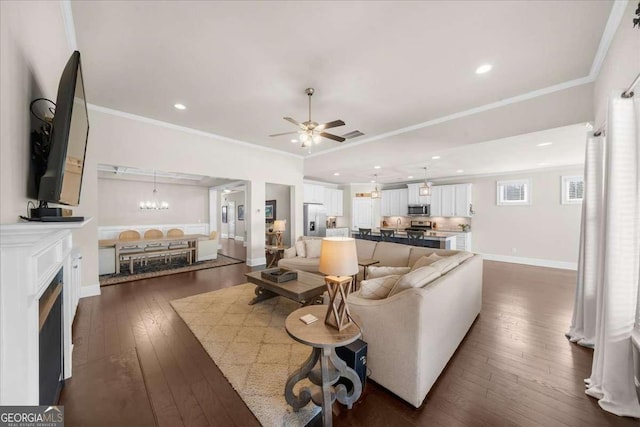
x=31, y=254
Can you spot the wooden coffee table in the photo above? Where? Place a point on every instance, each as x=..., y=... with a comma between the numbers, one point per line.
x=305, y=290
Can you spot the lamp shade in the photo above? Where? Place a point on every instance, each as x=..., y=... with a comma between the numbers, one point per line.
x=338, y=256
x=279, y=225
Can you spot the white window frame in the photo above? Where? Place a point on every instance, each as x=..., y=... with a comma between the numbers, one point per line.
x=527, y=192
x=564, y=188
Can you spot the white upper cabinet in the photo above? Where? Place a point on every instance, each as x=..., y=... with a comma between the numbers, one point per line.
x=451, y=200
x=314, y=193
x=413, y=194
x=333, y=203
x=463, y=200
x=394, y=202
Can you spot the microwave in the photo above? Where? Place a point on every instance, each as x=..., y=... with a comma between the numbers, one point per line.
x=419, y=210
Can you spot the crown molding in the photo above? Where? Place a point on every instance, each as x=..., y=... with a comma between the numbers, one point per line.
x=185, y=129
x=610, y=29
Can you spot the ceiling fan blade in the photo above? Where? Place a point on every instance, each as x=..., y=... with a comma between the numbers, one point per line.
x=284, y=133
x=295, y=122
x=329, y=125
x=332, y=136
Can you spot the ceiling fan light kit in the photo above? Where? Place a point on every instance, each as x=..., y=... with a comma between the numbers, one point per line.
x=312, y=133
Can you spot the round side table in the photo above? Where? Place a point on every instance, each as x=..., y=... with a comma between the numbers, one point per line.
x=323, y=339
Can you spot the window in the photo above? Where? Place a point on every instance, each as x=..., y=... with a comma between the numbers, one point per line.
x=514, y=192
x=572, y=189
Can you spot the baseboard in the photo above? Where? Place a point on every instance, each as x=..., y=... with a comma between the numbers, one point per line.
x=240, y=238
x=254, y=262
x=89, y=290
x=532, y=261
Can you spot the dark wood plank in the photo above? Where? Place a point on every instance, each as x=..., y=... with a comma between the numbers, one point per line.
x=137, y=363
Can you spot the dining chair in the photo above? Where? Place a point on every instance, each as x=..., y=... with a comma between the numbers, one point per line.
x=131, y=252
x=415, y=237
x=364, y=233
x=150, y=248
x=178, y=246
x=387, y=235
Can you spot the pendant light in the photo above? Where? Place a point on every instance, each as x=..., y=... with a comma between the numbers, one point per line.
x=375, y=194
x=154, y=203
x=425, y=189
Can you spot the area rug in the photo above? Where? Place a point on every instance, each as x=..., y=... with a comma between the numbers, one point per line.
x=251, y=347
x=157, y=268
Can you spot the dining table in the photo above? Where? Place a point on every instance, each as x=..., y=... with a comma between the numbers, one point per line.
x=190, y=239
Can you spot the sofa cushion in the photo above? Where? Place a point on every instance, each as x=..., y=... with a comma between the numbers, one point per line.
x=313, y=247
x=426, y=260
x=377, y=288
x=445, y=265
x=301, y=250
x=392, y=254
x=365, y=248
x=461, y=256
x=417, y=253
x=415, y=279
x=374, y=271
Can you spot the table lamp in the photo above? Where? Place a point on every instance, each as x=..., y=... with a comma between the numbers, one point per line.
x=339, y=261
x=279, y=226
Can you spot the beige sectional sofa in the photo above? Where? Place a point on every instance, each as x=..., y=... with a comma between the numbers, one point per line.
x=412, y=334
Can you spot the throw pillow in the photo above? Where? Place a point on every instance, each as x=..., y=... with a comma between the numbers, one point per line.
x=374, y=272
x=289, y=252
x=445, y=265
x=426, y=260
x=313, y=247
x=301, y=249
x=377, y=288
x=415, y=279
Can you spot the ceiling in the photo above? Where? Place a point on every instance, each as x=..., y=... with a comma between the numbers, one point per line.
x=239, y=67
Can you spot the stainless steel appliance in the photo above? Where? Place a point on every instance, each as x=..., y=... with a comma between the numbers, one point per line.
x=419, y=210
x=420, y=226
x=314, y=220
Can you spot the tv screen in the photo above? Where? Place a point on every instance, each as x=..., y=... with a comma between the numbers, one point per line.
x=62, y=181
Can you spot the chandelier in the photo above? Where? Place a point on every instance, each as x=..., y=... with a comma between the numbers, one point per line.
x=154, y=203
x=425, y=188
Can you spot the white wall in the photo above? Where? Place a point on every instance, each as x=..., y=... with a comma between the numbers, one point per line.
x=33, y=52
x=546, y=230
x=118, y=202
x=621, y=65
x=128, y=140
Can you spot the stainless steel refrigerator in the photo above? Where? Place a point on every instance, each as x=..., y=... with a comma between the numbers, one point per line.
x=315, y=220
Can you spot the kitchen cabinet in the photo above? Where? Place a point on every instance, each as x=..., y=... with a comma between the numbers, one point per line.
x=463, y=200
x=362, y=213
x=333, y=201
x=451, y=200
x=394, y=202
x=338, y=232
x=462, y=240
x=313, y=193
x=414, y=197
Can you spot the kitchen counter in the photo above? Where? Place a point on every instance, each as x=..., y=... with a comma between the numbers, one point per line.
x=432, y=239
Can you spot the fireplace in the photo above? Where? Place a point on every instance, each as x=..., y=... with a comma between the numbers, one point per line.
x=51, y=360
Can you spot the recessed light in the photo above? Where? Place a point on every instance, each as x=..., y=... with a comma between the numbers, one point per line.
x=410, y=177
x=460, y=171
x=543, y=164
x=544, y=144
x=373, y=180
x=485, y=68
x=226, y=190
x=336, y=174
x=435, y=157
x=376, y=167
x=294, y=140
x=180, y=106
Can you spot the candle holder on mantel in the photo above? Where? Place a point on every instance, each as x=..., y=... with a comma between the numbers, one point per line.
x=279, y=227
x=339, y=260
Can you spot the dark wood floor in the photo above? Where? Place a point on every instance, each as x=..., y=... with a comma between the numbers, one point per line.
x=137, y=364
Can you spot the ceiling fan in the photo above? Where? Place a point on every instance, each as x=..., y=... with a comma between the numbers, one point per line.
x=311, y=132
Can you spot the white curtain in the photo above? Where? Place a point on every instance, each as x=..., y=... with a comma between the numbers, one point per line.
x=606, y=309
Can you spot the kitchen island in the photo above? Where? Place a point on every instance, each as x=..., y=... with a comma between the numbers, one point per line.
x=432, y=239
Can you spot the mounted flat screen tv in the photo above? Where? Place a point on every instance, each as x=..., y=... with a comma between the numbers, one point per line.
x=62, y=181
